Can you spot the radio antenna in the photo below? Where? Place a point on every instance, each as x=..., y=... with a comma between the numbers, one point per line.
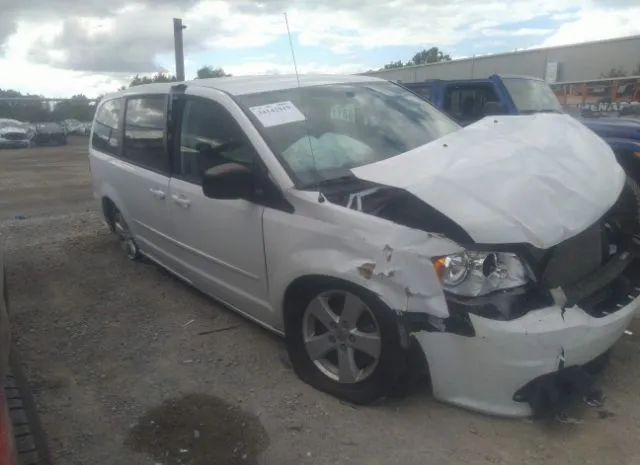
x=306, y=124
x=293, y=54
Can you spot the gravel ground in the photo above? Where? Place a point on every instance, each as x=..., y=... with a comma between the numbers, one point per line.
x=128, y=365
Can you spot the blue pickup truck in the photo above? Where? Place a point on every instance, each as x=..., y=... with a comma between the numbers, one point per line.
x=469, y=100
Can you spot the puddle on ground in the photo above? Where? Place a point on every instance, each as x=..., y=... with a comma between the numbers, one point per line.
x=199, y=429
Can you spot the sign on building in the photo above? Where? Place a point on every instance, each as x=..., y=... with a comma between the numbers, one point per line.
x=551, y=73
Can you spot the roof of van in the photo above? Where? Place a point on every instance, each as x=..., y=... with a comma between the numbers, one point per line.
x=242, y=85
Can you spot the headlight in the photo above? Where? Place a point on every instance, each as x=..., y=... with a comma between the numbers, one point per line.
x=472, y=274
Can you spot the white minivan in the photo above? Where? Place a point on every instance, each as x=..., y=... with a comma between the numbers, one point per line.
x=353, y=218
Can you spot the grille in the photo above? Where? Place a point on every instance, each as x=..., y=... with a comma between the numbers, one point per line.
x=574, y=259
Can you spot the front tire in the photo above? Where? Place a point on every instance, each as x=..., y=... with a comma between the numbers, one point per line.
x=344, y=341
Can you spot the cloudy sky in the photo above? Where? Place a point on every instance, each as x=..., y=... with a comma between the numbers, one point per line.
x=61, y=47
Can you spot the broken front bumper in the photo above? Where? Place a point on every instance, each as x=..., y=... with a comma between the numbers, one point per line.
x=484, y=371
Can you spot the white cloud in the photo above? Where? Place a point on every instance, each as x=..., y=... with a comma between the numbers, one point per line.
x=270, y=67
x=414, y=22
x=516, y=32
x=565, y=16
x=129, y=35
x=596, y=25
x=20, y=74
x=51, y=82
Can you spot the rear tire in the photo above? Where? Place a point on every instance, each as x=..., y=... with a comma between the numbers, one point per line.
x=355, y=358
x=124, y=234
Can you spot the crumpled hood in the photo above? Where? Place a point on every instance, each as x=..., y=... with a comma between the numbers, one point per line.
x=537, y=179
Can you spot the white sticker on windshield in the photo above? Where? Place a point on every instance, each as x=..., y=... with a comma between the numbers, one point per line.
x=275, y=114
x=344, y=113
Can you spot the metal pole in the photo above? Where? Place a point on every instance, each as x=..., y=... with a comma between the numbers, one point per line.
x=177, y=40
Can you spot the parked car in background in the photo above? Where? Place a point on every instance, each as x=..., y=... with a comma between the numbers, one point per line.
x=360, y=222
x=632, y=110
x=468, y=100
x=49, y=134
x=74, y=126
x=14, y=134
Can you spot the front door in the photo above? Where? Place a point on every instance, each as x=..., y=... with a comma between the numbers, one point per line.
x=221, y=240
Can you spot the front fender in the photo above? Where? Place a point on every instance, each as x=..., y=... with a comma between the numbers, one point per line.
x=394, y=263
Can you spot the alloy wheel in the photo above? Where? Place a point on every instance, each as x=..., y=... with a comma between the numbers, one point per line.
x=341, y=336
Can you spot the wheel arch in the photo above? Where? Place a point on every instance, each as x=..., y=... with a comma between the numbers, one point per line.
x=108, y=210
x=303, y=284
x=109, y=199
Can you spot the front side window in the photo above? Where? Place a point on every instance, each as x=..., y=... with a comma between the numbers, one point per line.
x=532, y=95
x=319, y=133
x=210, y=136
x=106, y=128
x=144, y=131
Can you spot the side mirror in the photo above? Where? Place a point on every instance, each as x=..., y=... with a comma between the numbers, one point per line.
x=494, y=108
x=229, y=181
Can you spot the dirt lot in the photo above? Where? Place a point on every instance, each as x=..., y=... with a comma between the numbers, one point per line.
x=130, y=366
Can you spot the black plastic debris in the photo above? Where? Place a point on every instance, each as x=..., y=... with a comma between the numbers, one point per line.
x=551, y=394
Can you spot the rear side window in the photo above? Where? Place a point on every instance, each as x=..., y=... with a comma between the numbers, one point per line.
x=465, y=103
x=106, y=128
x=144, y=131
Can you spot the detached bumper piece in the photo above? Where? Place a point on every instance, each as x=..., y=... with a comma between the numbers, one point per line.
x=552, y=393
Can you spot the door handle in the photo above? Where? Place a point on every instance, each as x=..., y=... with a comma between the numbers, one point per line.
x=181, y=200
x=157, y=193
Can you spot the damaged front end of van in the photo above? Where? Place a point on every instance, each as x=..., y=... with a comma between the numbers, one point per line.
x=521, y=318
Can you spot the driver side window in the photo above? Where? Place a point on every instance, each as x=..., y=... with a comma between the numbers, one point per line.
x=209, y=136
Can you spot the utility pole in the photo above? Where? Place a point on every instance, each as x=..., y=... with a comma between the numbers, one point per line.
x=177, y=40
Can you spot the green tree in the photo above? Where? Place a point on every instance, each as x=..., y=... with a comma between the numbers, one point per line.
x=158, y=77
x=78, y=107
x=394, y=64
x=35, y=109
x=208, y=71
x=432, y=55
x=25, y=107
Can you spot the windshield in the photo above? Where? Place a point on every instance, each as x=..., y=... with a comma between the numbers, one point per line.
x=532, y=95
x=320, y=132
